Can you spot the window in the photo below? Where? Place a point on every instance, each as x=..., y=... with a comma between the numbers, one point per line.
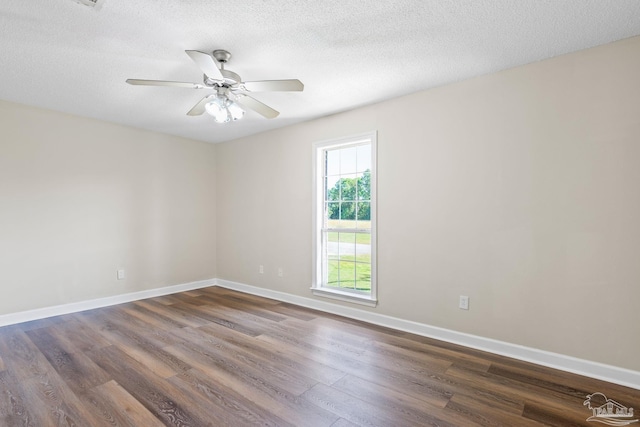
x=344, y=219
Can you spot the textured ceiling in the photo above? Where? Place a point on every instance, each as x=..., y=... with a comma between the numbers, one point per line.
x=64, y=56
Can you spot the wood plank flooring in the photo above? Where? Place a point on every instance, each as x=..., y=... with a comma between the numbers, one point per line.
x=216, y=357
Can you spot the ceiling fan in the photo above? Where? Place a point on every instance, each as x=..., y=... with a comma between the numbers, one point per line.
x=230, y=94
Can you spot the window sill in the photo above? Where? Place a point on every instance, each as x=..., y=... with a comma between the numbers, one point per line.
x=345, y=296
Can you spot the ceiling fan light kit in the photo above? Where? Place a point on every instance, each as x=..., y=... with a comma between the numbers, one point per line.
x=231, y=96
x=223, y=109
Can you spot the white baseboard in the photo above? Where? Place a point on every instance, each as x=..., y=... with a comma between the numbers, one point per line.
x=41, y=313
x=587, y=368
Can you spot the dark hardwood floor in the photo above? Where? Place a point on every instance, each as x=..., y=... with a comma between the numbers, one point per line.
x=216, y=357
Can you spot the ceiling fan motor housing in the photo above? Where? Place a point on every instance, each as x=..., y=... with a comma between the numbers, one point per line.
x=230, y=78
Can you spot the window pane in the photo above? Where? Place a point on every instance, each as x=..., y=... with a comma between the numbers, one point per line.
x=348, y=238
x=333, y=273
x=364, y=158
x=348, y=160
x=332, y=213
x=363, y=276
x=363, y=248
x=347, y=246
x=333, y=162
x=347, y=274
x=363, y=238
x=348, y=187
x=363, y=213
x=364, y=225
x=348, y=211
x=364, y=186
x=332, y=246
x=332, y=188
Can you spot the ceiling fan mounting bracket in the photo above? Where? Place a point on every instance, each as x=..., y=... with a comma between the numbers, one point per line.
x=221, y=55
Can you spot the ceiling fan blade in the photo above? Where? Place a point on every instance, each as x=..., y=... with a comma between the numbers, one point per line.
x=248, y=102
x=206, y=63
x=198, y=109
x=293, y=85
x=165, y=83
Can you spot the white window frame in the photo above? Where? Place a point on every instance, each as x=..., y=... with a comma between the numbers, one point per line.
x=319, y=148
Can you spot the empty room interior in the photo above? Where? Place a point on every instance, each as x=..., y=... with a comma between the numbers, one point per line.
x=322, y=213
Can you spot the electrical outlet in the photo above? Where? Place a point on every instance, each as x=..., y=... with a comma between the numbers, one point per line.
x=261, y=269
x=280, y=273
x=464, y=302
x=120, y=274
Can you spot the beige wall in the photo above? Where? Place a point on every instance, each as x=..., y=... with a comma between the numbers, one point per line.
x=520, y=189
x=80, y=199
